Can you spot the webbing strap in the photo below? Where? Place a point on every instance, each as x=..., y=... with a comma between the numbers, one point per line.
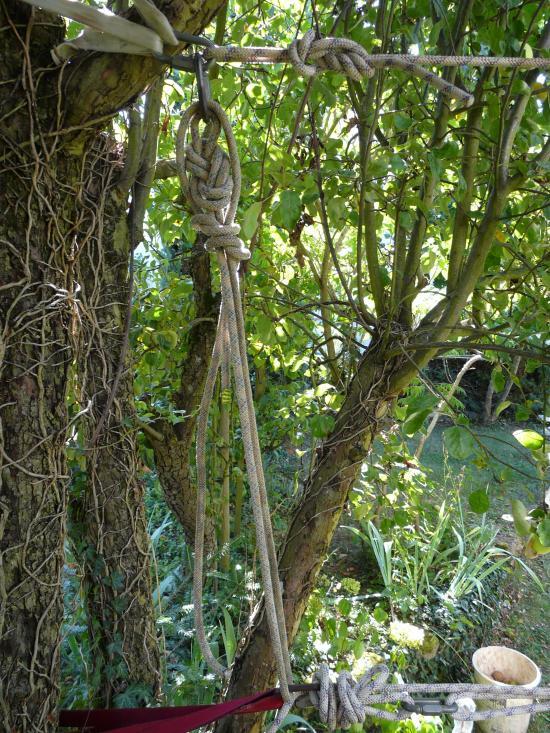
x=166, y=720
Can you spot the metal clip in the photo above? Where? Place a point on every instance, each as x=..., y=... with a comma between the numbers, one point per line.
x=186, y=62
x=194, y=40
x=203, y=84
x=424, y=706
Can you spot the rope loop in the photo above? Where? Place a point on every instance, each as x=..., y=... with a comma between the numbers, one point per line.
x=211, y=179
x=310, y=56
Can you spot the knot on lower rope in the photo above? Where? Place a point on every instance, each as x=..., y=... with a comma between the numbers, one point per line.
x=209, y=177
x=346, y=703
x=310, y=55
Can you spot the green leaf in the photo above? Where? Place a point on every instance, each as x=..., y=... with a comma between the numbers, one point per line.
x=380, y=615
x=264, y=328
x=292, y=719
x=229, y=638
x=522, y=413
x=529, y=439
x=344, y=606
x=502, y=407
x=402, y=122
x=543, y=532
x=498, y=380
x=321, y=425
x=358, y=649
x=414, y=422
x=459, y=442
x=522, y=523
x=288, y=210
x=250, y=219
x=479, y=501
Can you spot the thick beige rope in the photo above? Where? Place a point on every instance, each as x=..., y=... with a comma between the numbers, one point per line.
x=348, y=701
x=211, y=180
x=308, y=55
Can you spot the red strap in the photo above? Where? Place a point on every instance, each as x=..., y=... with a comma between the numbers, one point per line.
x=166, y=720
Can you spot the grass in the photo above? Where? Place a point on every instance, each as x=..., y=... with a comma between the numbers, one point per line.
x=509, y=473
x=523, y=622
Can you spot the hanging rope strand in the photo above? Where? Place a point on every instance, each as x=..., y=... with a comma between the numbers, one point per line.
x=211, y=180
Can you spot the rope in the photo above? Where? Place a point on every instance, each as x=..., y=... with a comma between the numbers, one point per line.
x=346, y=702
x=211, y=179
x=269, y=54
x=309, y=55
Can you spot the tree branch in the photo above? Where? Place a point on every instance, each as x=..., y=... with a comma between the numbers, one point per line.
x=98, y=84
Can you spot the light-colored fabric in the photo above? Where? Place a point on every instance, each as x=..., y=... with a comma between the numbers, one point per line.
x=105, y=21
x=157, y=21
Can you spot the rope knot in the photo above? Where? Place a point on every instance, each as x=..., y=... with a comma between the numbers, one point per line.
x=346, y=703
x=211, y=180
x=310, y=56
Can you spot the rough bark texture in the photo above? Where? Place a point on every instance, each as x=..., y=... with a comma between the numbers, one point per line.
x=110, y=527
x=38, y=190
x=315, y=520
x=41, y=167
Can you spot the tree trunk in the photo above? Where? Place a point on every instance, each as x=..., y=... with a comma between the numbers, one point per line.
x=41, y=164
x=111, y=531
x=38, y=189
x=172, y=451
x=314, y=521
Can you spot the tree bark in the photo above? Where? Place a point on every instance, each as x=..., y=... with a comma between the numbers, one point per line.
x=315, y=519
x=110, y=527
x=43, y=109
x=38, y=190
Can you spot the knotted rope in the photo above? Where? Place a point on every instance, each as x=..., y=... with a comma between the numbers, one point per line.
x=347, y=701
x=211, y=179
x=310, y=55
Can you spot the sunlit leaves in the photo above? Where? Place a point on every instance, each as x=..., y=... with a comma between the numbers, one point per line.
x=529, y=439
x=459, y=442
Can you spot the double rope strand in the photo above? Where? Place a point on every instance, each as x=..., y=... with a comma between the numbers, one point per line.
x=211, y=180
